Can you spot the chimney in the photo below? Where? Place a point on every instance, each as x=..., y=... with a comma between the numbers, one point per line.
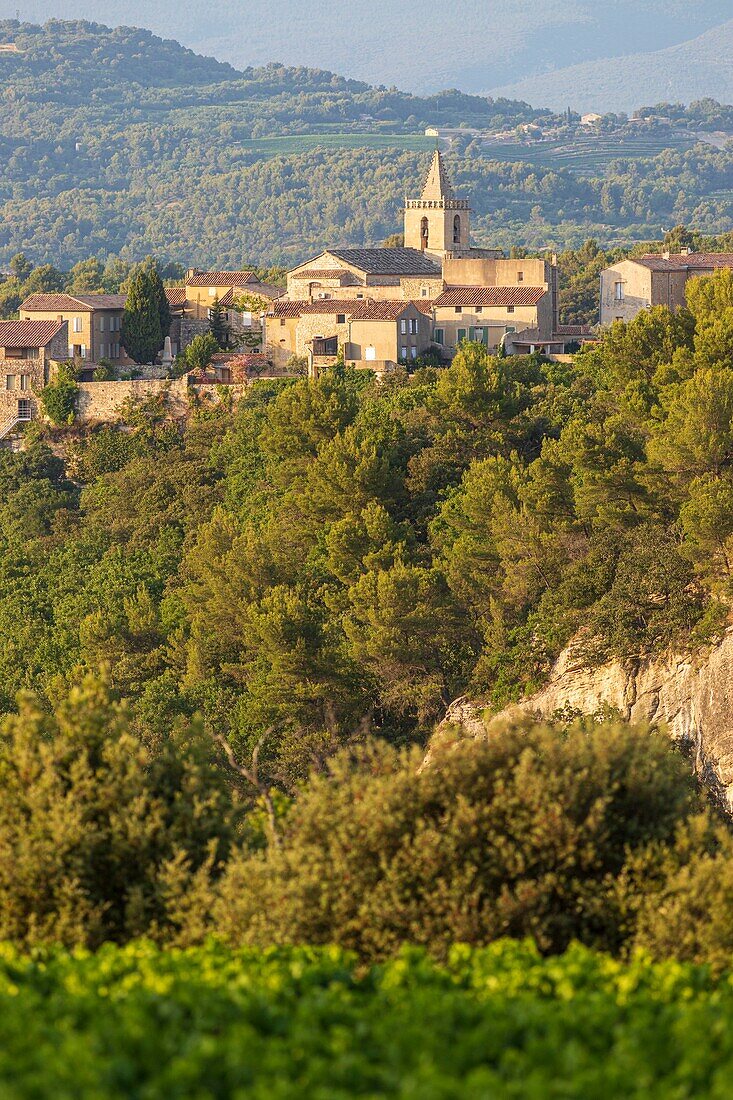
x=192, y=272
x=685, y=252
x=665, y=255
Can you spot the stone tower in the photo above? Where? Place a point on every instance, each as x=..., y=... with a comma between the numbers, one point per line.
x=437, y=222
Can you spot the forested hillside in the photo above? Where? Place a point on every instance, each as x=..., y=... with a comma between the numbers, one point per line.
x=114, y=142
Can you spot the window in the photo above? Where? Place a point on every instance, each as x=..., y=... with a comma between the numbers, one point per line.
x=404, y=353
x=479, y=309
x=413, y=353
x=25, y=381
x=101, y=351
x=619, y=291
x=413, y=326
x=403, y=326
x=340, y=318
x=457, y=229
x=439, y=336
x=83, y=351
x=520, y=276
x=9, y=381
x=360, y=295
x=212, y=292
x=77, y=324
x=510, y=309
x=71, y=351
x=424, y=291
x=282, y=322
x=24, y=409
x=101, y=323
x=459, y=309
x=370, y=353
x=424, y=233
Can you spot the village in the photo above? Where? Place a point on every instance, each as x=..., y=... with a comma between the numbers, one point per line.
x=371, y=308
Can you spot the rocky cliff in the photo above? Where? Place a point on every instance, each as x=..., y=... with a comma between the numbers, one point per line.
x=692, y=696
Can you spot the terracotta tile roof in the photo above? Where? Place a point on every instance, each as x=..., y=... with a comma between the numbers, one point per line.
x=361, y=309
x=28, y=334
x=680, y=261
x=228, y=298
x=573, y=330
x=221, y=278
x=324, y=305
x=43, y=303
x=73, y=303
x=387, y=261
x=380, y=311
x=490, y=296
x=321, y=273
x=102, y=301
x=176, y=295
x=264, y=290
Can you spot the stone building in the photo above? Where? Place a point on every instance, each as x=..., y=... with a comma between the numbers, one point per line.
x=95, y=323
x=29, y=352
x=630, y=286
x=372, y=333
x=366, y=273
x=471, y=293
x=202, y=288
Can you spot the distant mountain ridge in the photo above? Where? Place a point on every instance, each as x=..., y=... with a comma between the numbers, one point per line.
x=699, y=68
x=467, y=44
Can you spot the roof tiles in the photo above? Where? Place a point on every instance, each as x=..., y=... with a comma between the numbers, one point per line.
x=28, y=334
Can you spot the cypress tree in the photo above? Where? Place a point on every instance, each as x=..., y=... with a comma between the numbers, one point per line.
x=146, y=320
x=218, y=323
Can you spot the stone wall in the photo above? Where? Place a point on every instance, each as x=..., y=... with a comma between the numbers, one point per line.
x=102, y=401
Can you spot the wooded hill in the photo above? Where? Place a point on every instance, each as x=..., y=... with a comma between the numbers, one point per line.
x=117, y=142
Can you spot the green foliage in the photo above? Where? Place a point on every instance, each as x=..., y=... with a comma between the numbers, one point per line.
x=146, y=319
x=138, y=1021
x=58, y=398
x=105, y=372
x=218, y=323
x=119, y=831
x=531, y=833
x=255, y=133
x=201, y=351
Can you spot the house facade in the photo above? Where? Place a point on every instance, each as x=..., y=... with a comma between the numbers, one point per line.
x=29, y=352
x=94, y=323
x=371, y=333
x=203, y=288
x=631, y=286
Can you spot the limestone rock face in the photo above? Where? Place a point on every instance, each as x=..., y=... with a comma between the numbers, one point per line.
x=692, y=696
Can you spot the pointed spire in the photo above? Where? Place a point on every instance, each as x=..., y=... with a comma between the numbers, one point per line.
x=437, y=185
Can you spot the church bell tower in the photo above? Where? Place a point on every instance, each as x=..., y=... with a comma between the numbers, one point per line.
x=438, y=222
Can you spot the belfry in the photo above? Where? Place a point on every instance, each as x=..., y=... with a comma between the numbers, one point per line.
x=438, y=223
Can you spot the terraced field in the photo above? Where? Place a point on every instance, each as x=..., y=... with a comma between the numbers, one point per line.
x=587, y=156
x=289, y=144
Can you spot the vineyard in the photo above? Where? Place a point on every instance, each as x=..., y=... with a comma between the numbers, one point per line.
x=501, y=1022
x=587, y=155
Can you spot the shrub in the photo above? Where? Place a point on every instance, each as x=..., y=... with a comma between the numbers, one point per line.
x=58, y=398
x=101, y=837
x=524, y=835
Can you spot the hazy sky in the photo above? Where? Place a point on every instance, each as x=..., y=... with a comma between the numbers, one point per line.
x=476, y=45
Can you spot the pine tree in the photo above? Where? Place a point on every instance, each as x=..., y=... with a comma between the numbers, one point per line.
x=147, y=318
x=218, y=323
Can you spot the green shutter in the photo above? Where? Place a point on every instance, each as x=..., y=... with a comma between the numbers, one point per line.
x=439, y=336
x=461, y=335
